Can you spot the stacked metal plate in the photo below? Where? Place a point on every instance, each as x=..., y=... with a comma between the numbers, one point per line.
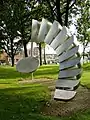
x=63, y=43
x=59, y=39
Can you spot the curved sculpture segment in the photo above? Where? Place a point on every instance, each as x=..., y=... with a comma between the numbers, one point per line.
x=63, y=43
x=59, y=39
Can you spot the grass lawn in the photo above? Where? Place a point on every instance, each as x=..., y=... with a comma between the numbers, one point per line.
x=85, y=80
x=26, y=101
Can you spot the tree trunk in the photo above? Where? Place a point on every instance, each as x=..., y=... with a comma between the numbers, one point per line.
x=12, y=58
x=23, y=40
x=12, y=54
x=84, y=47
x=66, y=15
x=59, y=17
x=40, y=53
x=25, y=48
x=83, y=53
x=44, y=56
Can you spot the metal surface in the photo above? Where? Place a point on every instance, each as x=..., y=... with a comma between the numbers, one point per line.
x=27, y=65
x=63, y=47
x=60, y=38
x=64, y=94
x=69, y=63
x=69, y=53
x=69, y=73
x=67, y=84
x=35, y=30
x=55, y=28
x=44, y=28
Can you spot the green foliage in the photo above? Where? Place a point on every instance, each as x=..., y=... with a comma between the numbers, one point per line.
x=17, y=21
x=9, y=28
x=86, y=66
x=61, y=10
x=84, y=22
x=85, y=79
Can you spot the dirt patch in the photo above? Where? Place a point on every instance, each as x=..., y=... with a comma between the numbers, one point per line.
x=48, y=82
x=80, y=102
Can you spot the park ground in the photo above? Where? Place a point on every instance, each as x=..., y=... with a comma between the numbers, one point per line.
x=24, y=99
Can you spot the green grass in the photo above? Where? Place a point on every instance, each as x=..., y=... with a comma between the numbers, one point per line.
x=47, y=71
x=85, y=79
x=86, y=66
x=9, y=76
x=18, y=103
x=26, y=101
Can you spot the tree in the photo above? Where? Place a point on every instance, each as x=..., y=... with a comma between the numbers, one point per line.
x=60, y=10
x=8, y=41
x=22, y=17
x=16, y=16
x=27, y=11
x=83, y=24
x=8, y=29
x=8, y=33
x=38, y=13
x=23, y=13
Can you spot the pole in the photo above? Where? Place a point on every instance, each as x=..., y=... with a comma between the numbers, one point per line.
x=32, y=56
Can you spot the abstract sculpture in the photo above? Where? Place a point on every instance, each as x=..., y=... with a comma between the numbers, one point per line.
x=63, y=43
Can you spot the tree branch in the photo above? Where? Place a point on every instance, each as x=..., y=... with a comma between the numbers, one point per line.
x=59, y=16
x=67, y=11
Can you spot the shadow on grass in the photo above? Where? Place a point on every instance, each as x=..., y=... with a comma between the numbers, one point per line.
x=7, y=72
x=26, y=103
x=11, y=73
x=20, y=103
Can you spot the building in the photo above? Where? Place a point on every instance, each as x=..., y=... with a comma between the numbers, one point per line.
x=4, y=57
